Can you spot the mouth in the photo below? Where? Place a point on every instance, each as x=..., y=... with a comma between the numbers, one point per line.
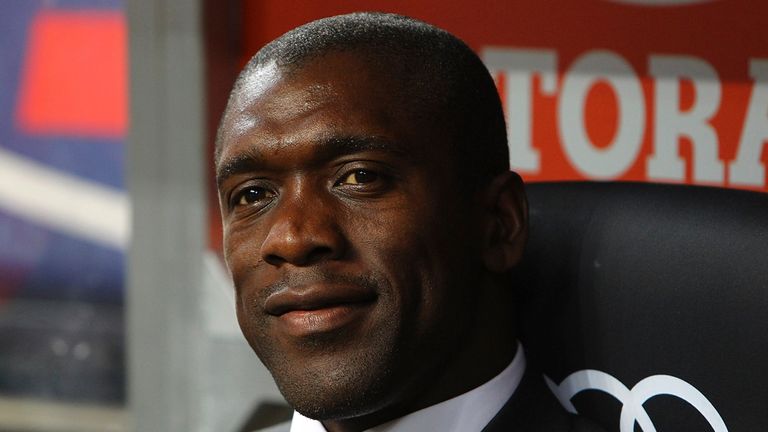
x=316, y=309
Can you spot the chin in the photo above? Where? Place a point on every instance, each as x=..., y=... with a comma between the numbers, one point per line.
x=338, y=377
x=344, y=391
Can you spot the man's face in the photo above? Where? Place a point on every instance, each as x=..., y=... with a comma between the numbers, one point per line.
x=347, y=233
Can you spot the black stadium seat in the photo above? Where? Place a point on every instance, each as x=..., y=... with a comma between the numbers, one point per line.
x=646, y=305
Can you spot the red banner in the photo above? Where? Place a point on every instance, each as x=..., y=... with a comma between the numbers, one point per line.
x=646, y=90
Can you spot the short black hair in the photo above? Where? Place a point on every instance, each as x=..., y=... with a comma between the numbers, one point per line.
x=439, y=69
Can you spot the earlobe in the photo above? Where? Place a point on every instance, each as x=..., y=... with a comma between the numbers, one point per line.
x=506, y=222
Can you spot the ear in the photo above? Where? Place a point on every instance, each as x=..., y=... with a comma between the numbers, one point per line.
x=505, y=222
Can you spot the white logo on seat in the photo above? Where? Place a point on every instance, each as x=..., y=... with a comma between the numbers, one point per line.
x=632, y=400
x=662, y=2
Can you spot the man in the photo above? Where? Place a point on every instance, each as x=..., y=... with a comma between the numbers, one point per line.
x=370, y=218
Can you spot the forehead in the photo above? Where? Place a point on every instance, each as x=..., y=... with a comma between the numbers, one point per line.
x=338, y=94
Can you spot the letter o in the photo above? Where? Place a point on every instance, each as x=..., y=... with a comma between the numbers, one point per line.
x=614, y=160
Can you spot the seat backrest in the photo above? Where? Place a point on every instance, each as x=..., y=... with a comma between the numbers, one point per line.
x=646, y=306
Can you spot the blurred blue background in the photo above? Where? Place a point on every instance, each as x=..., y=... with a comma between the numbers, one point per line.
x=63, y=206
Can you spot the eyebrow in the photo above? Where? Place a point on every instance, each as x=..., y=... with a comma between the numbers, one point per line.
x=325, y=150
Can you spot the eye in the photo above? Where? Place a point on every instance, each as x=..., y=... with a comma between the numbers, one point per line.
x=359, y=176
x=252, y=195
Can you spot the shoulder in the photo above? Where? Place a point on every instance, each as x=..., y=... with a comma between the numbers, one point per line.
x=281, y=427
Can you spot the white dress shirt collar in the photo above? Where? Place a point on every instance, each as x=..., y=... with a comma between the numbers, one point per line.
x=470, y=411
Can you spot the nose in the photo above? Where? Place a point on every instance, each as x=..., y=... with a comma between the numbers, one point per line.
x=304, y=231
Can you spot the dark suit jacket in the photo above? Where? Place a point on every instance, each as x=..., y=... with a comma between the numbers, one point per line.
x=533, y=408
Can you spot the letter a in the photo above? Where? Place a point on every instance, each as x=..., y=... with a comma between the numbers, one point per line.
x=746, y=169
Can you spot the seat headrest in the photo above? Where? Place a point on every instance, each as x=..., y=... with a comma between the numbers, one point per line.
x=637, y=282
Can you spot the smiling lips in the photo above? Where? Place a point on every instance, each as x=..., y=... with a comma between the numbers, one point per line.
x=305, y=311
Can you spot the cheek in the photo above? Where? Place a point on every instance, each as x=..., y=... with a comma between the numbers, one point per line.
x=251, y=320
x=242, y=256
x=413, y=249
x=242, y=245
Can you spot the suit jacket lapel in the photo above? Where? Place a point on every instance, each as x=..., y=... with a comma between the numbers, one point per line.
x=532, y=408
